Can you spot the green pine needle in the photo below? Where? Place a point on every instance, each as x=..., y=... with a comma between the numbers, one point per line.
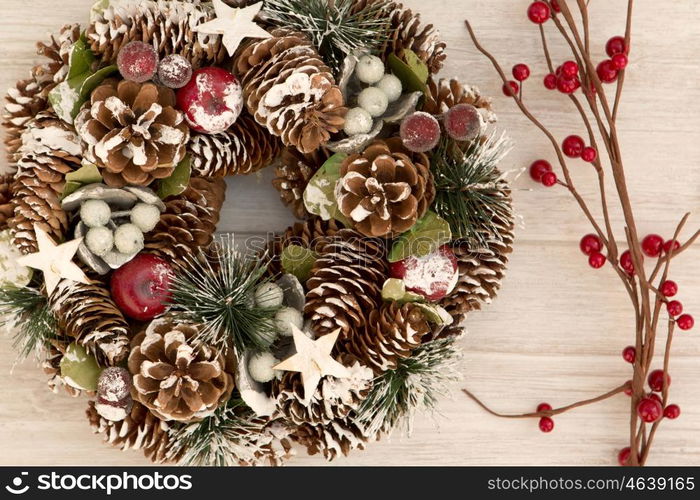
x=27, y=311
x=416, y=384
x=216, y=290
x=335, y=31
x=470, y=189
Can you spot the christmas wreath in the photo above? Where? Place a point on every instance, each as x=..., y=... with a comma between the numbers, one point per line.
x=198, y=352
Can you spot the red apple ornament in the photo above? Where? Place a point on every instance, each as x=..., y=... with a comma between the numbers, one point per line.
x=212, y=100
x=141, y=288
x=432, y=276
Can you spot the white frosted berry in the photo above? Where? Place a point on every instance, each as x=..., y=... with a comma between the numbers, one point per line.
x=269, y=295
x=99, y=240
x=128, y=239
x=391, y=86
x=370, y=69
x=358, y=121
x=373, y=100
x=260, y=367
x=285, y=318
x=145, y=217
x=95, y=213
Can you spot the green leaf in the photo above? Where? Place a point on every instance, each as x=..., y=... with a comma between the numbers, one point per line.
x=424, y=238
x=79, y=368
x=394, y=290
x=319, y=195
x=299, y=261
x=98, y=8
x=94, y=80
x=419, y=68
x=87, y=174
x=411, y=81
x=70, y=188
x=178, y=180
x=436, y=314
x=80, y=60
x=68, y=96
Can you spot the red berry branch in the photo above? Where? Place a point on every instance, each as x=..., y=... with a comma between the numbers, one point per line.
x=582, y=79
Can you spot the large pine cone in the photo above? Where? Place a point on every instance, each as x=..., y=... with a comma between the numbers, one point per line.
x=445, y=94
x=290, y=90
x=88, y=314
x=293, y=174
x=337, y=438
x=391, y=334
x=385, y=189
x=140, y=430
x=133, y=132
x=167, y=26
x=176, y=376
x=346, y=283
x=6, y=208
x=189, y=220
x=244, y=148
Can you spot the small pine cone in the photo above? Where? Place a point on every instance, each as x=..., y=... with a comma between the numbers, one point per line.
x=335, y=439
x=244, y=148
x=140, y=430
x=385, y=189
x=392, y=333
x=293, y=174
x=6, y=208
x=447, y=93
x=290, y=90
x=167, y=26
x=133, y=132
x=200, y=376
x=189, y=220
x=52, y=366
x=334, y=398
x=87, y=313
x=346, y=283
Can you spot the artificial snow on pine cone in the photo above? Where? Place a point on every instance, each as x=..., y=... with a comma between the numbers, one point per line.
x=444, y=94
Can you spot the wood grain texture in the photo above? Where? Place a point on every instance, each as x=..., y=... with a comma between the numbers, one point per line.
x=557, y=330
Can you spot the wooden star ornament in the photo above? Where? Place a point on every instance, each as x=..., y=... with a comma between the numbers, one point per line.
x=313, y=360
x=234, y=24
x=55, y=261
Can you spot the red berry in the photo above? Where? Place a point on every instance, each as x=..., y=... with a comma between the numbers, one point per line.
x=539, y=168
x=607, y=72
x=544, y=407
x=655, y=397
x=538, y=12
x=629, y=354
x=555, y=5
x=656, y=380
x=137, y=61
x=672, y=412
x=589, y=154
x=549, y=179
x=546, y=424
x=597, y=260
x=573, y=146
x=620, y=61
x=616, y=45
x=685, y=322
x=628, y=391
x=623, y=457
x=510, y=88
x=420, y=132
x=652, y=245
x=569, y=69
x=626, y=262
x=675, y=244
x=558, y=70
x=649, y=410
x=568, y=85
x=590, y=244
x=674, y=308
x=669, y=288
x=521, y=72
x=463, y=122
x=550, y=81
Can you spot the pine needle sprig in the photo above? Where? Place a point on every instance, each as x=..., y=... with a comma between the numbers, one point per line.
x=472, y=194
x=27, y=311
x=215, y=289
x=335, y=28
x=415, y=385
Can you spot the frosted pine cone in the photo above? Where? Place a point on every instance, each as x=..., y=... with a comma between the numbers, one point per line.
x=293, y=174
x=335, y=439
x=445, y=94
x=6, y=208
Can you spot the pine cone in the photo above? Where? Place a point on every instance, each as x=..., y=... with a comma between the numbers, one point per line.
x=293, y=174
x=176, y=376
x=333, y=400
x=140, y=430
x=244, y=148
x=346, y=283
x=88, y=314
x=337, y=438
x=290, y=90
x=140, y=119
x=189, y=220
x=391, y=334
x=445, y=94
x=6, y=208
x=167, y=26
x=385, y=189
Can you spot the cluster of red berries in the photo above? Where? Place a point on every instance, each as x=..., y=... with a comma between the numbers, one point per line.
x=575, y=147
x=546, y=423
x=521, y=72
x=541, y=171
x=609, y=69
x=566, y=78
